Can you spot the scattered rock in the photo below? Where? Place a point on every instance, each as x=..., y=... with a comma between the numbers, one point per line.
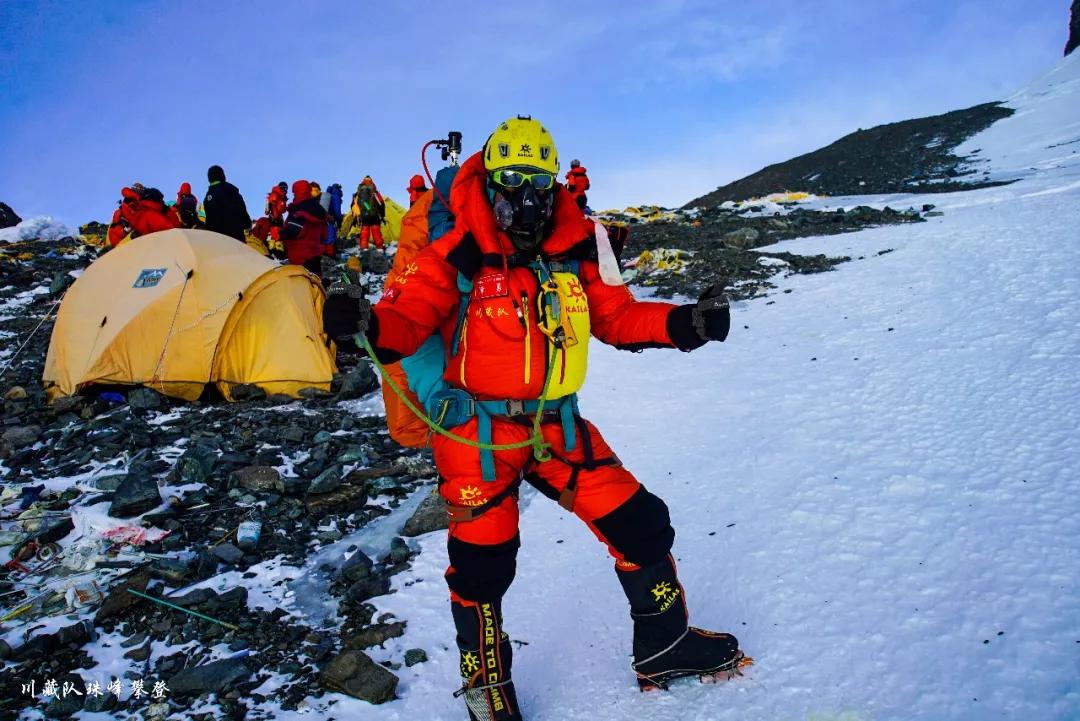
x=430, y=515
x=355, y=674
x=399, y=551
x=247, y=392
x=742, y=238
x=228, y=553
x=16, y=393
x=367, y=587
x=375, y=635
x=206, y=600
x=343, y=500
x=358, y=382
x=414, y=656
x=139, y=654
x=257, y=478
x=357, y=567
x=17, y=438
x=119, y=600
x=137, y=493
x=145, y=399
x=67, y=404
x=216, y=676
x=327, y=481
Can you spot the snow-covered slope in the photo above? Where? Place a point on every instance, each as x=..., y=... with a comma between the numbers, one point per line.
x=1043, y=136
x=873, y=482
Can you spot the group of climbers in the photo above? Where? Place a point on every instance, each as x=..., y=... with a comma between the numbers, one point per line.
x=143, y=210
x=502, y=302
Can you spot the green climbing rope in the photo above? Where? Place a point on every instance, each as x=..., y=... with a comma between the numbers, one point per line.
x=536, y=440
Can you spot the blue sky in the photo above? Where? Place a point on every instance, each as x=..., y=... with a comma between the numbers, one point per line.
x=662, y=101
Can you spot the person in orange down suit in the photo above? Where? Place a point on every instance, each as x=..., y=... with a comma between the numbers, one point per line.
x=515, y=289
x=416, y=189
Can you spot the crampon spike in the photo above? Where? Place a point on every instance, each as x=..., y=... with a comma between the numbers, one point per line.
x=649, y=684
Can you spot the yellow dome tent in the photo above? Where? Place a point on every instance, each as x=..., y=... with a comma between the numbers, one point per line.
x=391, y=225
x=179, y=309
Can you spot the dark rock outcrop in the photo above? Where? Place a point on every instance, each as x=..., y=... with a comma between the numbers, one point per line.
x=8, y=217
x=912, y=156
x=354, y=673
x=1074, y=28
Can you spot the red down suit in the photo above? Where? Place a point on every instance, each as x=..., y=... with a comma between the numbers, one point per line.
x=502, y=354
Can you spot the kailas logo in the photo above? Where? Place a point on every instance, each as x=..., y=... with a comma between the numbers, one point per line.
x=470, y=664
x=472, y=496
x=664, y=595
x=149, y=277
x=525, y=151
x=573, y=286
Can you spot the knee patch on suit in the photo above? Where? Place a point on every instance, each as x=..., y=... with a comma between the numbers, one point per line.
x=481, y=573
x=640, y=529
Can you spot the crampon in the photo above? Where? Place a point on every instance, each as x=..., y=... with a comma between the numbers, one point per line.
x=660, y=681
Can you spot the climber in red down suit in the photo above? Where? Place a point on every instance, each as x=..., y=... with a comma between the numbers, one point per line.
x=515, y=289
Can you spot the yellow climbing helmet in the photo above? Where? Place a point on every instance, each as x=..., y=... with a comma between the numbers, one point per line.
x=518, y=142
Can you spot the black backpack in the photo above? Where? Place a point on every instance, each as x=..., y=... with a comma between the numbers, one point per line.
x=188, y=207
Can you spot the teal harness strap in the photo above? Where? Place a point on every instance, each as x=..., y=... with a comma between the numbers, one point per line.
x=465, y=287
x=485, y=410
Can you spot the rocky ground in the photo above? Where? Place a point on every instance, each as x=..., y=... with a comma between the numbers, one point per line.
x=912, y=156
x=314, y=472
x=683, y=252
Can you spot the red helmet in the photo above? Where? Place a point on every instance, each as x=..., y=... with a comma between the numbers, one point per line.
x=416, y=182
x=185, y=189
x=301, y=190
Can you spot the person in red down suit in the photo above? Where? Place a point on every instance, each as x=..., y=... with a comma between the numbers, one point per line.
x=577, y=182
x=305, y=229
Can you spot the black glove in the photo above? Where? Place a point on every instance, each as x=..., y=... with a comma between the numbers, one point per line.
x=346, y=313
x=691, y=326
x=711, y=316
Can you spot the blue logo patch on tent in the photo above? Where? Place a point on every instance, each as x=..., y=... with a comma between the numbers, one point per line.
x=149, y=277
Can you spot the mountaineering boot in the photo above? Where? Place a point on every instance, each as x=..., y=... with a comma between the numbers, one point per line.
x=486, y=657
x=666, y=647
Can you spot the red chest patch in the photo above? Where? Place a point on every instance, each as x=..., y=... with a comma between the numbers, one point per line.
x=391, y=294
x=493, y=285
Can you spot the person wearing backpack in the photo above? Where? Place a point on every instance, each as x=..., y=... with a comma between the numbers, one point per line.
x=120, y=227
x=184, y=213
x=268, y=227
x=331, y=201
x=305, y=229
x=577, y=182
x=369, y=208
x=514, y=291
x=226, y=212
x=151, y=215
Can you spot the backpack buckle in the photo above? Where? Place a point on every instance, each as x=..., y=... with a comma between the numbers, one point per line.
x=515, y=408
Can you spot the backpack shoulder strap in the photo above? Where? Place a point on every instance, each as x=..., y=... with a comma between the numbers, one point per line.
x=465, y=288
